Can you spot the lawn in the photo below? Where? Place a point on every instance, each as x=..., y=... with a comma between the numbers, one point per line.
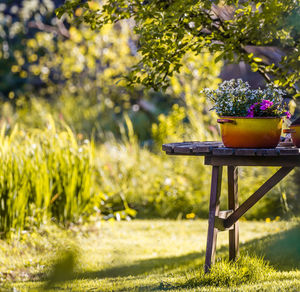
x=150, y=255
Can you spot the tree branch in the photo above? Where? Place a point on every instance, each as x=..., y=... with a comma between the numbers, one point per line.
x=60, y=29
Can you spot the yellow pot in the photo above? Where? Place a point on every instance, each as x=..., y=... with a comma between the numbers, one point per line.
x=246, y=132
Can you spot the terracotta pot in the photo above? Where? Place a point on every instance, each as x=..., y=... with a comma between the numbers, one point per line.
x=294, y=130
x=244, y=132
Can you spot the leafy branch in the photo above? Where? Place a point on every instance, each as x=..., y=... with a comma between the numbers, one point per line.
x=168, y=29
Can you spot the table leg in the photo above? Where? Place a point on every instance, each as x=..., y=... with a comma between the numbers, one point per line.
x=252, y=200
x=233, y=205
x=215, y=192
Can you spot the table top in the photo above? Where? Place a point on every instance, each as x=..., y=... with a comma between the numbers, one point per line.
x=216, y=153
x=217, y=148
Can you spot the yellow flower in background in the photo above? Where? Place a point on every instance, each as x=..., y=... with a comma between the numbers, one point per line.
x=15, y=68
x=190, y=216
x=11, y=95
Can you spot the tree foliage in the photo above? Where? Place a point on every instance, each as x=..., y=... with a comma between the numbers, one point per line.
x=168, y=29
x=20, y=20
x=75, y=74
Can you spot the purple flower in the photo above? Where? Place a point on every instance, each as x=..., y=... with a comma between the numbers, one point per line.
x=251, y=110
x=288, y=115
x=250, y=114
x=265, y=104
x=252, y=107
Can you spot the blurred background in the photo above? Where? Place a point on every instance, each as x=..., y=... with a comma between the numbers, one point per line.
x=76, y=143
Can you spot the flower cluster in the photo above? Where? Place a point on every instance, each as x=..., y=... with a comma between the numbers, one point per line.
x=236, y=98
x=263, y=106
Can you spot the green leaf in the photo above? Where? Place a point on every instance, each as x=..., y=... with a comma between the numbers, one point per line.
x=256, y=59
x=254, y=67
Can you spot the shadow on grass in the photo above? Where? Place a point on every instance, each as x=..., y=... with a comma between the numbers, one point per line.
x=146, y=266
x=281, y=250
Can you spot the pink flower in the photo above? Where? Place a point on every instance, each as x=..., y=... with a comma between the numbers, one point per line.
x=251, y=110
x=265, y=104
x=252, y=107
x=288, y=115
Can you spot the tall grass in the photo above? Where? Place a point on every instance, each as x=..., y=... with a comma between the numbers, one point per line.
x=44, y=174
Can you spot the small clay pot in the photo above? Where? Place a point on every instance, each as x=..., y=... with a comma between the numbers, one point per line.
x=294, y=130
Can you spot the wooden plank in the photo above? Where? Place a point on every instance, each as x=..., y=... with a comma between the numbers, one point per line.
x=191, y=147
x=223, y=151
x=233, y=204
x=219, y=220
x=266, y=152
x=167, y=147
x=183, y=148
x=253, y=160
x=252, y=200
x=219, y=224
x=202, y=149
x=214, y=204
x=206, y=147
x=245, y=152
x=225, y=213
x=196, y=147
x=288, y=150
x=217, y=148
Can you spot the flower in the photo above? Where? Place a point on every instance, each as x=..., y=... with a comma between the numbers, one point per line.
x=265, y=104
x=252, y=107
x=250, y=114
x=251, y=110
x=236, y=98
x=288, y=115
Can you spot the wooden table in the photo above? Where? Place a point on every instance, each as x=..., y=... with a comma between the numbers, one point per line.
x=217, y=155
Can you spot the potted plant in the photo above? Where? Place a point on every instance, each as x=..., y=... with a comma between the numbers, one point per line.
x=249, y=118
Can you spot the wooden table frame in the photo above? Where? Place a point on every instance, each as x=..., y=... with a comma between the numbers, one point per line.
x=219, y=156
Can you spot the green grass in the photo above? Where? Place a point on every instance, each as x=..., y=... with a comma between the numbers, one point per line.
x=43, y=174
x=152, y=255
